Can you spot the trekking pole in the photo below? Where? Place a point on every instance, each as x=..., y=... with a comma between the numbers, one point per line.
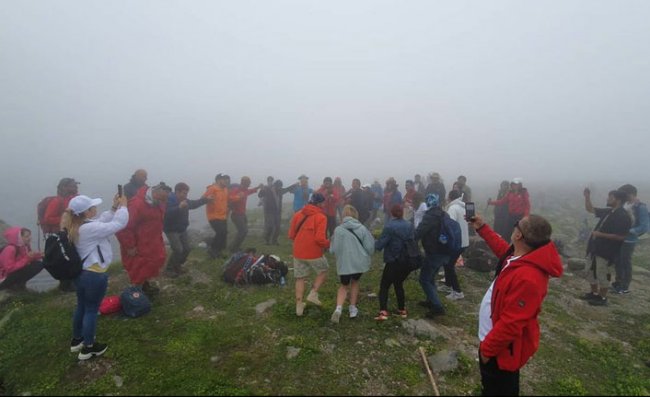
x=431, y=378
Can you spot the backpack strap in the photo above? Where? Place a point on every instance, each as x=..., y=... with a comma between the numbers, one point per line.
x=301, y=223
x=358, y=239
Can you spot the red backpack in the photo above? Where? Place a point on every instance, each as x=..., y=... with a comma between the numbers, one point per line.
x=40, y=213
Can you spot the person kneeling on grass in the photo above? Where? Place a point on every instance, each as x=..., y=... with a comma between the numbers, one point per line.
x=353, y=246
x=90, y=235
x=18, y=263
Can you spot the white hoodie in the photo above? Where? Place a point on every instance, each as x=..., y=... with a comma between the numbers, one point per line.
x=456, y=211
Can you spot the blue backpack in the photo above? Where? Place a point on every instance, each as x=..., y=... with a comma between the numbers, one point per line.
x=134, y=302
x=450, y=234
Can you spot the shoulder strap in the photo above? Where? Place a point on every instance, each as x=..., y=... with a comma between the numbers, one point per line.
x=358, y=238
x=301, y=223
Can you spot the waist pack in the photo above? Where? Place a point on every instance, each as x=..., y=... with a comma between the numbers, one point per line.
x=110, y=304
x=134, y=302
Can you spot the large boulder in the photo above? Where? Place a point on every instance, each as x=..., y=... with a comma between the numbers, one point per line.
x=478, y=255
x=576, y=264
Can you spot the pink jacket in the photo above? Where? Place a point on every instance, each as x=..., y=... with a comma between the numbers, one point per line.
x=15, y=255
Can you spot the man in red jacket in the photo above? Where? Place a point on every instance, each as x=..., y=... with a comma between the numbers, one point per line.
x=508, y=327
x=307, y=231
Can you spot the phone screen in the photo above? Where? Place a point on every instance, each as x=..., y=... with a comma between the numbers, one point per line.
x=470, y=210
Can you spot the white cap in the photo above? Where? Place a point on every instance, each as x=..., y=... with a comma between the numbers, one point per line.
x=366, y=186
x=517, y=181
x=81, y=204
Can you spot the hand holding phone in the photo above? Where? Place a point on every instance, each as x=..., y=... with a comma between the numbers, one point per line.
x=470, y=210
x=119, y=190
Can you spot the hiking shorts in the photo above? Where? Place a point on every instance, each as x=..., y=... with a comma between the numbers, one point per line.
x=347, y=278
x=599, y=272
x=301, y=266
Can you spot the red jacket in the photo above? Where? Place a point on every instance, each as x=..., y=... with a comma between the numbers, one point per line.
x=237, y=199
x=331, y=201
x=517, y=301
x=518, y=203
x=310, y=241
x=52, y=217
x=144, y=232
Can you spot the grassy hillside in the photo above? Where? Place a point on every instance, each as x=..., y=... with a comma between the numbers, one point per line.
x=204, y=337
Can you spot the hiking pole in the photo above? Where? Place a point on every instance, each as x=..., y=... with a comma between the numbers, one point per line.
x=426, y=365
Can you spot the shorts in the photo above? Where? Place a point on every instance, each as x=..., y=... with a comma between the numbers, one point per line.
x=301, y=266
x=346, y=278
x=599, y=271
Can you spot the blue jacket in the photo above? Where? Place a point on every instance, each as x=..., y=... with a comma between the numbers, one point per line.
x=641, y=222
x=392, y=238
x=299, y=200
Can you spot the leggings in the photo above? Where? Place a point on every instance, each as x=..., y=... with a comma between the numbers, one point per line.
x=394, y=274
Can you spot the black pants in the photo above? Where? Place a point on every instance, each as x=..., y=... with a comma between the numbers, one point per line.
x=331, y=225
x=218, y=243
x=497, y=382
x=271, y=227
x=451, y=278
x=241, y=224
x=180, y=246
x=20, y=277
x=394, y=274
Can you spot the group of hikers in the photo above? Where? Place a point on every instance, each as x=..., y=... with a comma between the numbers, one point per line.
x=337, y=220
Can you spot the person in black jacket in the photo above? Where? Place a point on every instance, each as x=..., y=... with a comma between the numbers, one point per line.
x=175, y=226
x=436, y=255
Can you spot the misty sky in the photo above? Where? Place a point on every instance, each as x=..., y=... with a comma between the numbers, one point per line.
x=540, y=90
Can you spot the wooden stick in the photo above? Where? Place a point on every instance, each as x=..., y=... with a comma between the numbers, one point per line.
x=426, y=365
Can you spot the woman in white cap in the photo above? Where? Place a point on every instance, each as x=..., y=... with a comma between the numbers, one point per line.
x=90, y=235
x=518, y=202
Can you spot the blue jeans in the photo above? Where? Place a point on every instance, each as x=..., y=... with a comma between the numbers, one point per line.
x=431, y=265
x=91, y=288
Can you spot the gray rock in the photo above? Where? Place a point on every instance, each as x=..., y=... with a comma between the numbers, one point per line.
x=478, y=255
x=576, y=264
x=198, y=309
x=119, y=382
x=423, y=328
x=215, y=359
x=444, y=361
x=261, y=308
x=391, y=343
x=366, y=373
x=292, y=352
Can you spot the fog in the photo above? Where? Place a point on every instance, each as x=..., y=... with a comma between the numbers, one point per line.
x=555, y=92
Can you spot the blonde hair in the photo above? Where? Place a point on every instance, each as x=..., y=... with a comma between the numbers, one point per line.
x=349, y=210
x=71, y=223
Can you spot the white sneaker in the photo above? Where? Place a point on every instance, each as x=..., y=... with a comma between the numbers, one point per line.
x=313, y=298
x=300, y=308
x=454, y=296
x=336, y=316
x=354, y=311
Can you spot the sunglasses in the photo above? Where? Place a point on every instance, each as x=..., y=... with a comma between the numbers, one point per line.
x=516, y=225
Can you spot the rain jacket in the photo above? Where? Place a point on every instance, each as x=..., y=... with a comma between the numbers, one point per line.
x=518, y=203
x=517, y=298
x=392, y=238
x=310, y=240
x=237, y=198
x=144, y=232
x=14, y=255
x=218, y=208
x=351, y=256
x=456, y=210
x=331, y=201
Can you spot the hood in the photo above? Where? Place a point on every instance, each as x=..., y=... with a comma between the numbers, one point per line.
x=545, y=258
x=12, y=235
x=311, y=209
x=351, y=223
x=458, y=201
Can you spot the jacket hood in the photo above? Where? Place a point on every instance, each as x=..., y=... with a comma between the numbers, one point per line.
x=13, y=236
x=311, y=209
x=351, y=223
x=458, y=201
x=545, y=258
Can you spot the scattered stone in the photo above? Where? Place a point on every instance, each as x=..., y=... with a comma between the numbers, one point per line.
x=198, y=309
x=366, y=373
x=4, y=296
x=372, y=295
x=444, y=361
x=423, y=327
x=391, y=343
x=329, y=348
x=292, y=352
x=119, y=382
x=215, y=359
x=261, y=308
x=576, y=264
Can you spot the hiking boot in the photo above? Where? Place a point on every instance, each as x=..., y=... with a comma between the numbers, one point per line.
x=454, y=296
x=600, y=301
x=76, y=344
x=589, y=296
x=336, y=316
x=313, y=298
x=300, y=308
x=435, y=312
x=402, y=313
x=96, y=349
x=354, y=311
x=382, y=316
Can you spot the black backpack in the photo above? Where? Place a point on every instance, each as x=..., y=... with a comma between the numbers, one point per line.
x=410, y=255
x=61, y=258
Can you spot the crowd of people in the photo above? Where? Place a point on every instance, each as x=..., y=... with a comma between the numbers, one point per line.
x=333, y=219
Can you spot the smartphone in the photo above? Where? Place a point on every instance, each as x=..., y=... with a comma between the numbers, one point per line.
x=470, y=210
x=119, y=190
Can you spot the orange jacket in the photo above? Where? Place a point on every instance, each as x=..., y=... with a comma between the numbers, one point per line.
x=310, y=241
x=218, y=208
